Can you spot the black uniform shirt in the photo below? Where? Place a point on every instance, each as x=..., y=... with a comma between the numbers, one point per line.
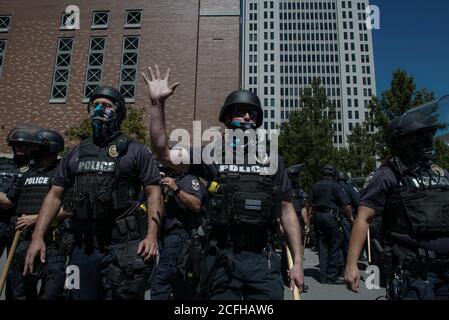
x=377, y=188
x=177, y=215
x=328, y=194
x=353, y=195
x=138, y=162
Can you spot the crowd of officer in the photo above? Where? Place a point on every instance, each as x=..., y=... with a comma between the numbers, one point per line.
x=126, y=219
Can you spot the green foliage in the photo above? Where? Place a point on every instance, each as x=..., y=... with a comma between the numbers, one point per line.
x=442, y=154
x=133, y=127
x=399, y=98
x=307, y=137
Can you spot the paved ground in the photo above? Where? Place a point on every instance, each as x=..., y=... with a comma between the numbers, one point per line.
x=316, y=291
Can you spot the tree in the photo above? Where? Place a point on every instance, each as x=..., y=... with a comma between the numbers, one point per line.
x=133, y=127
x=399, y=98
x=307, y=137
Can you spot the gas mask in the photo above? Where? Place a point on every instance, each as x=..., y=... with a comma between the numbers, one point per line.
x=104, y=122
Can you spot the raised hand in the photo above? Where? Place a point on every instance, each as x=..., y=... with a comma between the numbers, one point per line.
x=158, y=87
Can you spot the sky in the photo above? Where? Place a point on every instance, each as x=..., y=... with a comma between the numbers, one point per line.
x=413, y=35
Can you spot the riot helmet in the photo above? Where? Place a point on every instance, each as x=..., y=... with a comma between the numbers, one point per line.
x=342, y=176
x=51, y=141
x=237, y=104
x=329, y=171
x=24, y=143
x=410, y=136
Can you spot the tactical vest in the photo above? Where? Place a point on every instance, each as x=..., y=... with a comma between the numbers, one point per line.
x=420, y=206
x=102, y=193
x=243, y=199
x=8, y=173
x=36, y=185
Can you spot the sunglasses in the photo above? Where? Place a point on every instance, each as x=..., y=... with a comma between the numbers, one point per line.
x=241, y=111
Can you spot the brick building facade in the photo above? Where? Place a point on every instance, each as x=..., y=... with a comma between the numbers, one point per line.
x=47, y=70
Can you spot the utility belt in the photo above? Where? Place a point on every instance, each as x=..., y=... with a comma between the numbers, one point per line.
x=131, y=225
x=419, y=261
x=242, y=241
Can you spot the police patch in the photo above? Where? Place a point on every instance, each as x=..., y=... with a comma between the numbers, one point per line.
x=113, y=151
x=437, y=170
x=24, y=169
x=195, y=185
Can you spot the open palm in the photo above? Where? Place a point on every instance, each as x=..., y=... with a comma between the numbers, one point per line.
x=158, y=87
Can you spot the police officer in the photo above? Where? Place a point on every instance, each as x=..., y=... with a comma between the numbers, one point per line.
x=327, y=199
x=107, y=172
x=28, y=193
x=22, y=142
x=354, y=197
x=411, y=193
x=240, y=262
x=184, y=196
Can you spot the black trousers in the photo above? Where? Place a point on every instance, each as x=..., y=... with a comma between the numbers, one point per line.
x=52, y=275
x=252, y=275
x=329, y=241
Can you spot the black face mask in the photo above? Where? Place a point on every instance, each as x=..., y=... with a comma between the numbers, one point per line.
x=21, y=160
x=417, y=148
x=104, y=123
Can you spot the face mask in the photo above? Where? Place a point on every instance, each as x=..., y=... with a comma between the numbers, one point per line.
x=104, y=123
x=243, y=125
x=418, y=148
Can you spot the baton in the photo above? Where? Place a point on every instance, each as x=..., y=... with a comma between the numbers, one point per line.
x=296, y=294
x=9, y=260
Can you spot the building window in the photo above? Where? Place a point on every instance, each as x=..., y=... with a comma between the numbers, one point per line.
x=100, y=20
x=94, y=67
x=2, y=54
x=5, y=22
x=133, y=18
x=61, y=71
x=128, y=68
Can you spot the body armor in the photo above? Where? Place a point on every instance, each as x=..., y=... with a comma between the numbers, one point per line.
x=36, y=185
x=420, y=207
x=243, y=198
x=102, y=194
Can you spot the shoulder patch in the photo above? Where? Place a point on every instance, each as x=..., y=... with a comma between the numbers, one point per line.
x=113, y=152
x=24, y=169
x=195, y=185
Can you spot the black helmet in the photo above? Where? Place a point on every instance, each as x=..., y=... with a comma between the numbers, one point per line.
x=342, y=176
x=328, y=171
x=23, y=133
x=114, y=95
x=50, y=140
x=244, y=97
x=407, y=124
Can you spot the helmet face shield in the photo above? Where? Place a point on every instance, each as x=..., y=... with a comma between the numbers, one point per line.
x=434, y=114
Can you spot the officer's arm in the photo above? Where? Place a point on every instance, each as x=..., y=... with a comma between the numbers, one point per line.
x=348, y=212
x=159, y=90
x=190, y=201
x=49, y=210
x=5, y=203
x=155, y=211
x=290, y=225
x=358, y=236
